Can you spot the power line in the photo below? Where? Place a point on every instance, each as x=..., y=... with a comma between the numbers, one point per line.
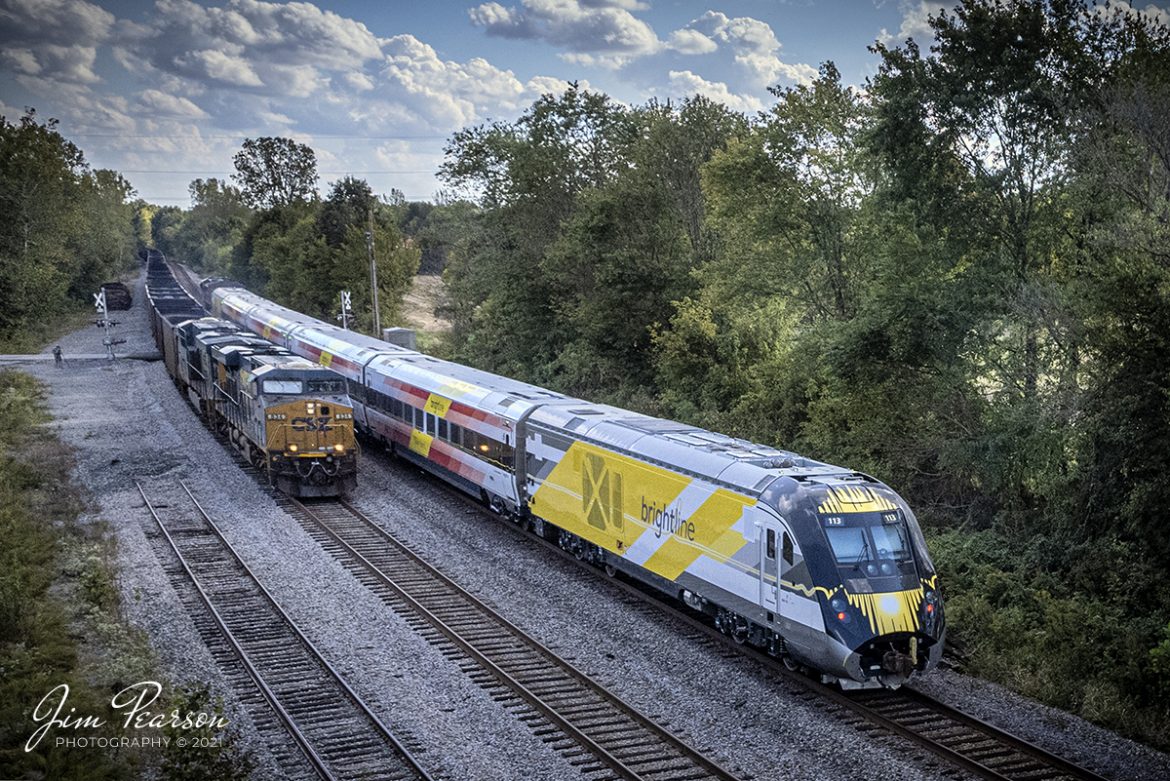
x=228, y=173
x=171, y=136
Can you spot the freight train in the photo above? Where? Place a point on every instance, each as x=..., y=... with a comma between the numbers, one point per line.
x=289, y=417
x=821, y=565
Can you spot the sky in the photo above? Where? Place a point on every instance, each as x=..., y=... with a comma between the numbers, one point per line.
x=166, y=91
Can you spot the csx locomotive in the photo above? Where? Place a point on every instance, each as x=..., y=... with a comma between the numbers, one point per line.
x=821, y=565
x=287, y=416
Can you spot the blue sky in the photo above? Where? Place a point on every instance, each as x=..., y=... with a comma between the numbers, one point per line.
x=166, y=90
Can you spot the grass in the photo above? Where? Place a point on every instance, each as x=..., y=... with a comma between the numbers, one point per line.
x=40, y=335
x=60, y=615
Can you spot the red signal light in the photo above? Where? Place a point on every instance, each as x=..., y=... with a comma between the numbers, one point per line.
x=841, y=616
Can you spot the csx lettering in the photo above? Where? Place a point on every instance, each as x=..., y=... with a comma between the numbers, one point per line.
x=311, y=424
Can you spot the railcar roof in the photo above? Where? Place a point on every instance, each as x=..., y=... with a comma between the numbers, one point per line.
x=739, y=464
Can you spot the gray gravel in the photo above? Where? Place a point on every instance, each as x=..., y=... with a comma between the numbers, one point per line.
x=127, y=420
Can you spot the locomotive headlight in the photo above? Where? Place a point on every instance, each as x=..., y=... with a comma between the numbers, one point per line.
x=838, y=604
x=339, y=448
x=931, y=599
x=310, y=407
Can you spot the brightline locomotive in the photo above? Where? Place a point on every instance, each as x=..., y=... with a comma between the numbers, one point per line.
x=287, y=416
x=821, y=565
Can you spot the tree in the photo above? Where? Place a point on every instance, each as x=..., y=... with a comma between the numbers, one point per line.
x=275, y=172
x=348, y=204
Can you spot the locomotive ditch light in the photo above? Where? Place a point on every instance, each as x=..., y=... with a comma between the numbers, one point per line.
x=340, y=448
x=293, y=448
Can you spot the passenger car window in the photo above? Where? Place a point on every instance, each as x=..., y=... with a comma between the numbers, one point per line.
x=787, y=551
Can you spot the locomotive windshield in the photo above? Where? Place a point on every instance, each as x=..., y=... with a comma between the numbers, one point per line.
x=282, y=387
x=331, y=385
x=876, y=544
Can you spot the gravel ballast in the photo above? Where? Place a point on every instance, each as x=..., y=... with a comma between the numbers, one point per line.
x=127, y=421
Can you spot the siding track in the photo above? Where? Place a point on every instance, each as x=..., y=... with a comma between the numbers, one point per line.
x=590, y=725
x=331, y=725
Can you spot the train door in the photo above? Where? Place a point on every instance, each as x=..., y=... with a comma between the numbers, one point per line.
x=769, y=557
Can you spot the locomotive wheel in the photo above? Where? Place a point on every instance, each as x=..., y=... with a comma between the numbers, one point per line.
x=610, y=570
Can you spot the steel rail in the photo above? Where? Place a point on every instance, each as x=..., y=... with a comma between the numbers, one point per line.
x=1047, y=766
x=321, y=764
x=556, y=713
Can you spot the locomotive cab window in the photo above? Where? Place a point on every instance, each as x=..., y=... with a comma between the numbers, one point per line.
x=282, y=387
x=787, y=550
x=326, y=386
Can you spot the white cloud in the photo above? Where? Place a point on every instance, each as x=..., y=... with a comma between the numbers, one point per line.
x=598, y=27
x=755, y=46
x=686, y=83
x=54, y=39
x=163, y=105
x=218, y=66
x=915, y=23
x=1122, y=8
x=688, y=41
x=359, y=81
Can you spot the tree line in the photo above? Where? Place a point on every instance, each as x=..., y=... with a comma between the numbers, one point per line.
x=66, y=228
x=954, y=279
x=273, y=233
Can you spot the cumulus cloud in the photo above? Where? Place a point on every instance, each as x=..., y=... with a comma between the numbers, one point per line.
x=687, y=41
x=604, y=29
x=218, y=66
x=53, y=39
x=915, y=23
x=1122, y=8
x=754, y=44
x=688, y=83
x=163, y=105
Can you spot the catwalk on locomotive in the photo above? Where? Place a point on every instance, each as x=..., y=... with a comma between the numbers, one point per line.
x=821, y=565
x=288, y=416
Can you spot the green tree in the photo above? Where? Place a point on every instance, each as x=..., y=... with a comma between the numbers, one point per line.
x=275, y=171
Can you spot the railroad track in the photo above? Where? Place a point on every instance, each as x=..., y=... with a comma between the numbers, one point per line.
x=964, y=741
x=331, y=725
x=597, y=731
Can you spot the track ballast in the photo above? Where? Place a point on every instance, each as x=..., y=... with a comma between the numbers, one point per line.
x=576, y=715
x=337, y=732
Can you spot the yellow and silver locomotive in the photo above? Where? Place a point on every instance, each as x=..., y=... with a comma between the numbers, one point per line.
x=287, y=416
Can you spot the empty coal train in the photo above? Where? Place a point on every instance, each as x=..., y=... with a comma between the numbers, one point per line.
x=289, y=417
x=821, y=565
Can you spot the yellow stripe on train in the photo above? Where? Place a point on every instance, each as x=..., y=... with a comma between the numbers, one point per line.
x=608, y=499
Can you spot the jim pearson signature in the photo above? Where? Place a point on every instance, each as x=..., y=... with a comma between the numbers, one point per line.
x=133, y=705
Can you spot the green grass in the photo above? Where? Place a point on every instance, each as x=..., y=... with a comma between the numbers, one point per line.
x=60, y=615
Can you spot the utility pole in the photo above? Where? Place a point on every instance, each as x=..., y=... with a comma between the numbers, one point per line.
x=373, y=274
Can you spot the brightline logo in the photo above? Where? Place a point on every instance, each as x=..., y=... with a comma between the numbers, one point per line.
x=668, y=519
